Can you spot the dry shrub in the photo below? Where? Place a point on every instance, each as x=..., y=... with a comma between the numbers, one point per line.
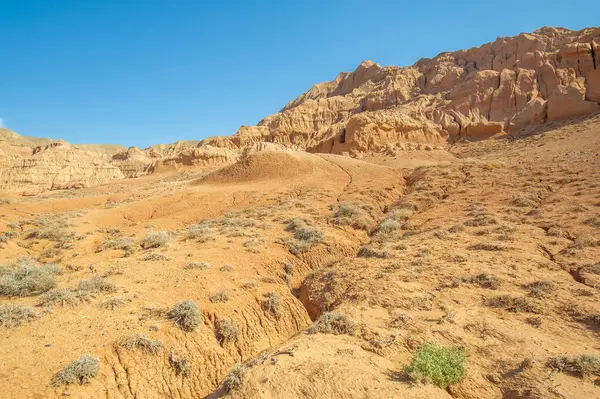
x=333, y=323
x=250, y=284
x=226, y=331
x=96, y=284
x=155, y=257
x=372, y=252
x=272, y=303
x=124, y=243
x=63, y=297
x=511, y=304
x=221, y=296
x=141, y=342
x=156, y=239
x=486, y=247
x=179, y=363
x=235, y=377
x=15, y=314
x=80, y=370
x=483, y=280
x=185, y=315
x=539, y=289
x=353, y=215
x=27, y=276
x=113, y=303
x=582, y=365
x=305, y=236
x=197, y=266
x=226, y=268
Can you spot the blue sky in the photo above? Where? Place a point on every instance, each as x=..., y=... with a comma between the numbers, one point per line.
x=146, y=72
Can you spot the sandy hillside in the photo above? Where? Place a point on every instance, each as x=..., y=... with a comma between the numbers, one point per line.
x=314, y=275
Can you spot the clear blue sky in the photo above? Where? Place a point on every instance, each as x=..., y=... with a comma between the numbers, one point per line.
x=155, y=71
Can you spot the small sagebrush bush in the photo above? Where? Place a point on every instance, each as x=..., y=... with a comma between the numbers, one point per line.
x=63, y=297
x=179, y=363
x=226, y=268
x=235, y=377
x=155, y=257
x=372, y=252
x=540, y=288
x=197, y=266
x=388, y=227
x=199, y=232
x=582, y=365
x=352, y=215
x=141, y=342
x=511, y=304
x=555, y=232
x=400, y=214
x=226, y=331
x=333, y=323
x=50, y=233
x=272, y=303
x=483, y=280
x=305, y=236
x=250, y=284
x=124, y=243
x=26, y=277
x=113, y=303
x=486, y=247
x=96, y=284
x=156, y=239
x=221, y=296
x=439, y=365
x=15, y=314
x=185, y=315
x=80, y=370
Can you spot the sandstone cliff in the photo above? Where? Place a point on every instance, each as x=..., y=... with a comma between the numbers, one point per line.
x=498, y=88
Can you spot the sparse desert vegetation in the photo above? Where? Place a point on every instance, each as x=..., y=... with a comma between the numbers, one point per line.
x=395, y=259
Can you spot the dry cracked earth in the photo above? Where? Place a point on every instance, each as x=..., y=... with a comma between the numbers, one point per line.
x=298, y=275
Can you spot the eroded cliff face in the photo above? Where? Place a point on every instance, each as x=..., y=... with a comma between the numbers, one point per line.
x=498, y=88
x=54, y=166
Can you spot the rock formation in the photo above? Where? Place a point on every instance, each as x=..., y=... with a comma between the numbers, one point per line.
x=498, y=88
x=54, y=166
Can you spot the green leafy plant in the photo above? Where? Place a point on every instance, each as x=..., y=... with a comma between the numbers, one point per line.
x=439, y=365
